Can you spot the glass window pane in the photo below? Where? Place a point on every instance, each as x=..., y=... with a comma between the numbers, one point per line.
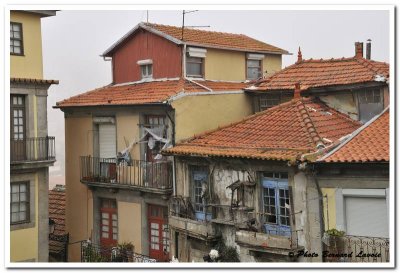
x=15, y=188
x=104, y=215
x=114, y=216
x=14, y=197
x=22, y=207
x=14, y=217
x=104, y=228
x=104, y=234
x=115, y=223
x=104, y=221
x=17, y=43
x=15, y=207
x=22, y=216
x=115, y=237
x=22, y=188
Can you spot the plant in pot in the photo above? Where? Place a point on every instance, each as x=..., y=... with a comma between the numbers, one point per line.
x=335, y=243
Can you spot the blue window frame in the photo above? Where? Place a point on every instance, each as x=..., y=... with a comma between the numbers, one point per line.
x=276, y=203
x=200, y=179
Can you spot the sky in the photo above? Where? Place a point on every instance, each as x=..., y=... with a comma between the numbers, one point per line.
x=74, y=40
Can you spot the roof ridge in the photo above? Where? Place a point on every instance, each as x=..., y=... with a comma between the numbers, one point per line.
x=308, y=122
x=372, y=66
x=193, y=29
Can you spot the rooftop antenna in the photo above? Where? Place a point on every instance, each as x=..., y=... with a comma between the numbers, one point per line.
x=183, y=21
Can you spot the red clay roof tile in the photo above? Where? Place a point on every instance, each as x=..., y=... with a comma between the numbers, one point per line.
x=57, y=210
x=145, y=92
x=283, y=132
x=370, y=144
x=217, y=39
x=317, y=73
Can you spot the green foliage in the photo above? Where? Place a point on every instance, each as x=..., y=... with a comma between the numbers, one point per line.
x=335, y=232
x=227, y=254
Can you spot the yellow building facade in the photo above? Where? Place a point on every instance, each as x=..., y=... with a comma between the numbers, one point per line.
x=29, y=162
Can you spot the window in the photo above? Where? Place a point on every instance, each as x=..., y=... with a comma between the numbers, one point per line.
x=19, y=202
x=109, y=222
x=370, y=104
x=276, y=203
x=147, y=71
x=17, y=117
x=269, y=100
x=253, y=69
x=157, y=124
x=16, y=42
x=200, y=189
x=194, y=67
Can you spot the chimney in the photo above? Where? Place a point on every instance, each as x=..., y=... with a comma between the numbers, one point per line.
x=359, y=48
x=368, y=50
x=297, y=91
x=299, y=56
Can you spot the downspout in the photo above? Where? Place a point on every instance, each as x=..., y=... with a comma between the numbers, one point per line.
x=184, y=61
x=321, y=205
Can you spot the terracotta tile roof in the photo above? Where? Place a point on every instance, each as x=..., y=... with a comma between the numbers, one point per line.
x=157, y=91
x=37, y=81
x=57, y=209
x=283, y=132
x=202, y=38
x=317, y=73
x=369, y=144
x=217, y=39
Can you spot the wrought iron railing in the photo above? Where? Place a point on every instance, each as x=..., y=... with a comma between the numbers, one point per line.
x=356, y=249
x=156, y=175
x=33, y=149
x=91, y=253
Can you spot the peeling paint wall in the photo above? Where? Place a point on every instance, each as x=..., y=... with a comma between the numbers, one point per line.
x=225, y=172
x=343, y=102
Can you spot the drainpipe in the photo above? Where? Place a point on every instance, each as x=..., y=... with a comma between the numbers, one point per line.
x=321, y=205
x=184, y=61
x=173, y=177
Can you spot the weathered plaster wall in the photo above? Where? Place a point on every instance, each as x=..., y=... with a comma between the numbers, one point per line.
x=78, y=142
x=129, y=224
x=342, y=102
x=217, y=61
x=196, y=114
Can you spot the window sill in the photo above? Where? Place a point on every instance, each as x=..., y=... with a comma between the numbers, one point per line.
x=22, y=225
x=20, y=55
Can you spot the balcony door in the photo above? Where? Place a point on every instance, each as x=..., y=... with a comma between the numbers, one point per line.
x=157, y=124
x=276, y=203
x=158, y=233
x=108, y=223
x=18, y=128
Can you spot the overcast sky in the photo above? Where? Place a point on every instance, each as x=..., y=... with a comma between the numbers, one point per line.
x=73, y=41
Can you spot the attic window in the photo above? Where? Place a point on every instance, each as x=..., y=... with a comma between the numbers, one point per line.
x=146, y=68
x=254, y=66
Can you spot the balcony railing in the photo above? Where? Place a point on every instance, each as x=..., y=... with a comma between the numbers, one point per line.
x=106, y=171
x=91, y=253
x=33, y=149
x=356, y=249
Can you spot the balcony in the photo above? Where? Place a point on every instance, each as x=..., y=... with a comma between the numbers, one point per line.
x=33, y=151
x=183, y=218
x=155, y=177
x=360, y=249
x=91, y=253
x=264, y=242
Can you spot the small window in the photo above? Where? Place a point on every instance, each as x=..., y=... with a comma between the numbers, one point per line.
x=194, y=67
x=370, y=104
x=16, y=42
x=19, y=202
x=147, y=71
x=269, y=100
x=253, y=69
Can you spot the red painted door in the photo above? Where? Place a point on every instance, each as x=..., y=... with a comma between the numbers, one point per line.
x=158, y=233
x=108, y=223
